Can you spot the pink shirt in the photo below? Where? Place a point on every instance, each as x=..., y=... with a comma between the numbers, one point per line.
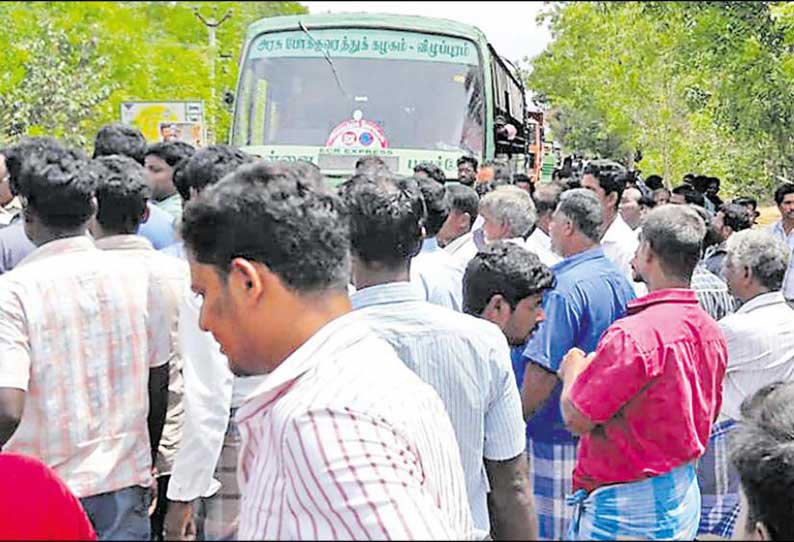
x=343, y=442
x=654, y=388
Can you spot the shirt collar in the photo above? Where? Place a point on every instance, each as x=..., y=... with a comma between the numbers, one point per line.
x=336, y=335
x=124, y=242
x=14, y=206
x=761, y=301
x=68, y=245
x=684, y=296
x=589, y=254
x=429, y=244
x=382, y=294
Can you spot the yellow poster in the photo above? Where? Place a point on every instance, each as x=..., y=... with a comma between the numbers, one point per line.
x=148, y=117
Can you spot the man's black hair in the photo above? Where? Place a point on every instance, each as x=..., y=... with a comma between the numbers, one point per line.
x=171, y=152
x=782, y=191
x=16, y=154
x=55, y=183
x=463, y=199
x=647, y=202
x=524, y=178
x=736, y=217
x=746, y=200
x=611, y=178
x=436, y=205
x=386, y=218
x=121, y=192
x=507, y=269
x=470, y=159
x=762, y=450
x=371, y=165
x=208, y=166
x=120, y=139
x=654, y=182
x=432, y=171
x=272, y=214
x=691, y=195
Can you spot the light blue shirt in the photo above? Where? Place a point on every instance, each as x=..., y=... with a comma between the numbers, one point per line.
x=158, y=228
x=777, y=231
x=467, y=361
x=439, y=275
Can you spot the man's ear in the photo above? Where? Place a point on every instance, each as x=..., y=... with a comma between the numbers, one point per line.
x=246, y=280
x=761, y=531
x=464, y=221
x=146, y=214
x=497, y=310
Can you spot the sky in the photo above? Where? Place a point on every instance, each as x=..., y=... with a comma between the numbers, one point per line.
x=509, y=26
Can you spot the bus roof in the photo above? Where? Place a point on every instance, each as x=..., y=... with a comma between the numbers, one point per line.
x=370, y=20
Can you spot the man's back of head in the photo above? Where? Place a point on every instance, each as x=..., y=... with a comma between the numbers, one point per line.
x=57, y=190
x=436, y=205
x=371, y=165
x=431, y=171
x=121, y=194
x=674, y=234
x=206, y=167
x=762, y=451
x=386, y=219
x=120, y=139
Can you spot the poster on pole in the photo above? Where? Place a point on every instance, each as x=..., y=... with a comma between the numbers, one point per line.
x=155, y=120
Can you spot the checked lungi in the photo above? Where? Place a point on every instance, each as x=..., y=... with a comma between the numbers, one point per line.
x=216, y=516
x=551, y=474
x=665, y=507
x=719, y=484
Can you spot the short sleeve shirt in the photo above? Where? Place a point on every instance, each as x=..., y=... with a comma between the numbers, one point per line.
x=669, y=358
x=591, y=293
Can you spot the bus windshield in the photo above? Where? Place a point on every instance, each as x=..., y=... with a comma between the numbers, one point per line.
x=401, y=93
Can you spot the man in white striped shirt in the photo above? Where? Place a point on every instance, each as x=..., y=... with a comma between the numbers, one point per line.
x=341, y=440
x=466, y=360
x=760, y=339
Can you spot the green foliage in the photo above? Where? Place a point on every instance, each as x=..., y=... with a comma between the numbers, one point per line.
x=696, y=86
x=68, y=66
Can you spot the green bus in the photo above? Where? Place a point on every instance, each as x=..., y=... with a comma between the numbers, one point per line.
x=330, y=89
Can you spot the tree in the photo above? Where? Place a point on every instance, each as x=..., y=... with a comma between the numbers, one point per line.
x=67, y=66
x=698, y=86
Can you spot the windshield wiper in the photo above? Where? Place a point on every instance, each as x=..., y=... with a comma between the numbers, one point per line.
x=327, y=59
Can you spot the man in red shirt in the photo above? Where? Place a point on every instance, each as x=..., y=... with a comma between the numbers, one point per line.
x=645, y=400
x=37, y=505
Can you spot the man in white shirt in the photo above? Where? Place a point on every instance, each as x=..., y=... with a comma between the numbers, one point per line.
x=783, y=229
x=435, y=271
x=203, y=494
x=463, y=205
x=466, y=360
x=760, y=339
x=341, y=440
x=546, y=198
x=619, y=242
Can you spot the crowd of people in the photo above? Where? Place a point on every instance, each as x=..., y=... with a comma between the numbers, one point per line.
x=197, y=344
